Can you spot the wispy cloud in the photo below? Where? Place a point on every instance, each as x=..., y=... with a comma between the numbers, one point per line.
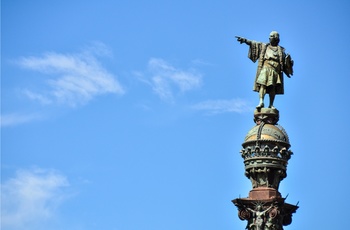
x=31, y=198
x=166, y=80
x=42, y=99
x=223, y=106
x=73, y=79
x=15, y=119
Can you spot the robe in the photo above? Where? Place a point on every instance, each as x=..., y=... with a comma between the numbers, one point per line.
x=271, y=66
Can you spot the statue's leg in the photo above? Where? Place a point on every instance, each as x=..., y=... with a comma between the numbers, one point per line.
x=272, y=94
x=262, y=92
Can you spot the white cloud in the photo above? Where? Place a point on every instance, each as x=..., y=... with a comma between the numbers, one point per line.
x=37, y=97
x=167, y=80
x=15, y=119
x=74, y=78
x=223, y=106
x=31, y=198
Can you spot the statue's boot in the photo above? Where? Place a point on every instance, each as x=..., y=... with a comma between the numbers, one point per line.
x=261, y=105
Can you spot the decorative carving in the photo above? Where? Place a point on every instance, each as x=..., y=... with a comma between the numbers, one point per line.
x=244, y=214
x=266, y=152
x=272, y=214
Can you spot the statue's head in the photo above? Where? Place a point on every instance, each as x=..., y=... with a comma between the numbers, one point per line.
x=274, y=38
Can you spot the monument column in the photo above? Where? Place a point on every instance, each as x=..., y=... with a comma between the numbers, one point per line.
x=266, y=147
x=265, y=154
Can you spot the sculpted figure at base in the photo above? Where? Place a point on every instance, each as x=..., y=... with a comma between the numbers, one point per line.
x=273, y=62
x=259, y=218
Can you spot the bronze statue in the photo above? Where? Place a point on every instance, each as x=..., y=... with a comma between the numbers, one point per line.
x=273, y=62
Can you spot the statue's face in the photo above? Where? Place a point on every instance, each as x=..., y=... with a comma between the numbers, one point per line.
x=274, y=37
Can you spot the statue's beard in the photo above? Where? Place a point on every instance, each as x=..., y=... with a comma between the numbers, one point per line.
x=274, y=42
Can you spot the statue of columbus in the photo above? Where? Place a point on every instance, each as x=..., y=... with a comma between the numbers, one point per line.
x=273, y=62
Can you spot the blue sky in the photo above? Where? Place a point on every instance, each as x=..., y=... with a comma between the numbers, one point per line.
x=128, y=115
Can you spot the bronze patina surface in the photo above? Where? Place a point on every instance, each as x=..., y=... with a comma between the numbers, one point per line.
x=273, y=62
x=268, y=214
x=266, y=152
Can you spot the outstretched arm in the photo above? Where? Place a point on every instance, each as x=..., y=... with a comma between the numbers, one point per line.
x=243, y=40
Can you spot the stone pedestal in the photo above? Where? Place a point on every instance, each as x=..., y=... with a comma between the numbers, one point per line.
x=263, y=194
x=266, y=154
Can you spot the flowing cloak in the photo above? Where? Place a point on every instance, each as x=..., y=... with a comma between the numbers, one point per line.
x=257, y=51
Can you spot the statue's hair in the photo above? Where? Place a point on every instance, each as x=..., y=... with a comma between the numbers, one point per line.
x=275, y=32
